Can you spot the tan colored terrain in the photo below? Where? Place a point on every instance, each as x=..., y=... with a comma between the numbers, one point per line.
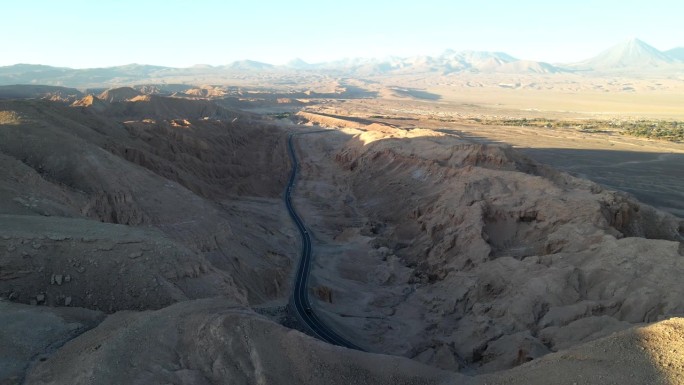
x=471, y=257
x=648, y=169
x=67, y=170
x=213, y=342
x=139, y=231
x=645, y=355
x=551, y=95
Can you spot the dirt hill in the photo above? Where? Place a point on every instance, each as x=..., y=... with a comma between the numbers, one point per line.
x=186, y=181
x=40, y=92
x=214, y=342
x=120, y=94
x=140, y=241
x=472, y=257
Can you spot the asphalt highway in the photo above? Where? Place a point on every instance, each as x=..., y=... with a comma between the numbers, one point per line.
x=300, y=295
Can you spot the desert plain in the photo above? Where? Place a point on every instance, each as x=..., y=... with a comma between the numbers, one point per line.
x=467, y=228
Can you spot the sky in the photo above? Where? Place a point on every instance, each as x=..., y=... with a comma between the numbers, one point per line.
x=86, y=34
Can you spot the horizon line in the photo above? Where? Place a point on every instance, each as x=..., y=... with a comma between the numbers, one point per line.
x=314, y=63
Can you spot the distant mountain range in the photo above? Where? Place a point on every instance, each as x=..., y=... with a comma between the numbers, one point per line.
x=676, y=53
x=632, y=54
x=631, y=57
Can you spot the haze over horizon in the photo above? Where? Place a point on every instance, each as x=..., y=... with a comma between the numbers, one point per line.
x=83, y=34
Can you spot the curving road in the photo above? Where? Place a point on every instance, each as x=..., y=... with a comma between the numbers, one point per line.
x=300, y=296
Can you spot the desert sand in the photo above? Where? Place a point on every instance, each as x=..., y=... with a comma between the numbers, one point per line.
x=422, y=225
x=143, y=236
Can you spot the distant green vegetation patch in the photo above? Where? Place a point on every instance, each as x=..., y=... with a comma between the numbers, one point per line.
x=280, y=115
x=654, y=129
x=672, y=131
x=585, y=125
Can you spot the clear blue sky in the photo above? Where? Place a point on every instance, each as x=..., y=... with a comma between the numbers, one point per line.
x=97, y=33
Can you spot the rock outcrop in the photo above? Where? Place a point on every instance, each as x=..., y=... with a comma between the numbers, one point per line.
x=483, y=258
x=215, y=342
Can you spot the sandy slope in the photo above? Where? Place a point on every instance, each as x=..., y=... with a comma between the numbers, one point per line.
x=76, y=262
x=212, y=341
x=31, y=333
x=211, y=186
x=216, y=342
x=465, y=256
x=472, y=257
x=644, y=355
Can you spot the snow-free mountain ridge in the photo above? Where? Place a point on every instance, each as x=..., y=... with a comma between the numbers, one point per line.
x=632, y=57
x=632, y=54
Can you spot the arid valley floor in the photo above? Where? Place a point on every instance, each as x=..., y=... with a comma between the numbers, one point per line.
x=472, y=229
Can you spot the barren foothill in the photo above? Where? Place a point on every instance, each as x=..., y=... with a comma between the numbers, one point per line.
x=647, y=168
x=140, y=227
x=438, y=238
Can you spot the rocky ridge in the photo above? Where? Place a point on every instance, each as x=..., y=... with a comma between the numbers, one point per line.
x=494, y=259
